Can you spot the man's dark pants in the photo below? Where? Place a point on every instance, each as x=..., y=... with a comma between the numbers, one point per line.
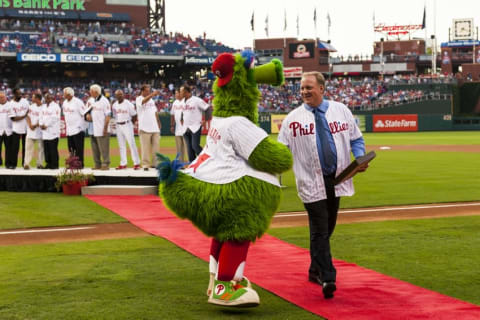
x=5, y=140
x=15, y=147
x=76, y=144
x=322, y=217
x=192, y=139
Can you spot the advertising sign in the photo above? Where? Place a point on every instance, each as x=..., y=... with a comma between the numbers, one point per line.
x=395, y=122
x=293, y=72
x=63, y=58
x=38, y=57
x=304, y=50
x=276, y=122
x=199, y=60
x=44, y=4
x=81, y=58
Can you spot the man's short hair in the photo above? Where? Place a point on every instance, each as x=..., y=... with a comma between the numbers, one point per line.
x=318, y=76
x=96, y=88
x=187, y=88
x=69, y=91
x=143, y=87
x=38, y=96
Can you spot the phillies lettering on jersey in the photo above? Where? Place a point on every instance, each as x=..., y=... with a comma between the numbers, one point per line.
x=303, y=130
x=337, y=126
x=214, y=134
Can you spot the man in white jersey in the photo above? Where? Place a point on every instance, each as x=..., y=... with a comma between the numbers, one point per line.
x=321, y=135
x=74, y=111
x=50, y=124
x=34, y=133
x=124, y=114
x=176, y=125
x=148, y=126
x=5, y=128
x=18, y=114
x=99, y=114
x=192, y=117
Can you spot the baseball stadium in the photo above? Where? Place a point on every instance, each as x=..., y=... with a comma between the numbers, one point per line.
x=91, y=228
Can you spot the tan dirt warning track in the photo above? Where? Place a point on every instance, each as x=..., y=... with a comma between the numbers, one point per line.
x=280, y=220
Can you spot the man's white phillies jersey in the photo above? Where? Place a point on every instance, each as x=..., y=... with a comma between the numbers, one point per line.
x=298, y=132
x=34, y=113
x=178, y=107
x=193, y=113
x=147, y=118
x=50, y=117
x=100, y=110
x=74, y=112
x=19, y=109
x=224, y=158
x=5, y=122
x=123, y=112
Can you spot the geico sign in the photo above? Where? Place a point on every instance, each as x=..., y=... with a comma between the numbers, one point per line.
x=82, y=58
x=38, y=57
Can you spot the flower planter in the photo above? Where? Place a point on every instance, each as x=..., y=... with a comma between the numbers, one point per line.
x=74, y=188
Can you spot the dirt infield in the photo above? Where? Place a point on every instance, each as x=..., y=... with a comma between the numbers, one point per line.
x=281, y=220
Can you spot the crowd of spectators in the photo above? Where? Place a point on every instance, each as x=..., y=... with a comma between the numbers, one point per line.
x=366, y=94
x=48, y=36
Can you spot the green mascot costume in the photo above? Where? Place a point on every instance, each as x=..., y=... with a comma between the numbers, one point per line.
x=230, y=191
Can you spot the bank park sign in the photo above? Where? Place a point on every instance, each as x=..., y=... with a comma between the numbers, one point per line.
x=44, y=4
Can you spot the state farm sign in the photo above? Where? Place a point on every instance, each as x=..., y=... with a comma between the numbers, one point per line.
x=395, y=122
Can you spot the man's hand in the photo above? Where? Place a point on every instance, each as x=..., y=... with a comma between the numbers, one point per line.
x=363, y=167
x=88, y=117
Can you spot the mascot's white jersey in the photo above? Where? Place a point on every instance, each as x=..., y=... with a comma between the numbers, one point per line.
x=224, y=158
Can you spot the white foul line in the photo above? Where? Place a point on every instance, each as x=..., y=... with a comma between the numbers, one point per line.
x=45, y=230
x=388, y=209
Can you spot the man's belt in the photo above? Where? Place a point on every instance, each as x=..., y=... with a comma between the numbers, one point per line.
x=122, y=122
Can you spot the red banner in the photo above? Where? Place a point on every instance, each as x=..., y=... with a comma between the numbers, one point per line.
x=395, y=122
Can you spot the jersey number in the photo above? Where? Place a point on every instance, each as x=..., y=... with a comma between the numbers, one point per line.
x=201, y=158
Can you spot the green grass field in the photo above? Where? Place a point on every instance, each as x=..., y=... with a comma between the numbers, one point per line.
x=394, y=178
x=150, y=278
x=142, y=278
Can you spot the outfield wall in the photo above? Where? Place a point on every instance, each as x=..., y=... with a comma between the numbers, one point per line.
x=430, y=115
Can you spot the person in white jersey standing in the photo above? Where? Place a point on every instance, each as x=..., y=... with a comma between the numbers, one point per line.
x=5, y=128
x=176, y=125
x=124, y=114
x=192, y=117
x=74, y=111
x=148, y=126
x=34, y=133
x=50, y=125
x=321, y=135
x=18, y=113
x=99, y=113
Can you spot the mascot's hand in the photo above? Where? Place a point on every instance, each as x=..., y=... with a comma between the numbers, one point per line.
x=168, y=170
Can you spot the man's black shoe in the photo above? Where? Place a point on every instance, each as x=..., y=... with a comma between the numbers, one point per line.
x=328, y=289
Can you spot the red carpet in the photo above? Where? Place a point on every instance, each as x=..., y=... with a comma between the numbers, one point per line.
x=281, y=268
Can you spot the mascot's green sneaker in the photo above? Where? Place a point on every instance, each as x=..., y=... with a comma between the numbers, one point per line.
x=244, y=283
x=230, y=294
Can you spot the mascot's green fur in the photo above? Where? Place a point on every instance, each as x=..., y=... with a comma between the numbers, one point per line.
x=240, y=210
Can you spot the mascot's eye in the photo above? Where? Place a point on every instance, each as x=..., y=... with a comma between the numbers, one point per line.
x=218, y=73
